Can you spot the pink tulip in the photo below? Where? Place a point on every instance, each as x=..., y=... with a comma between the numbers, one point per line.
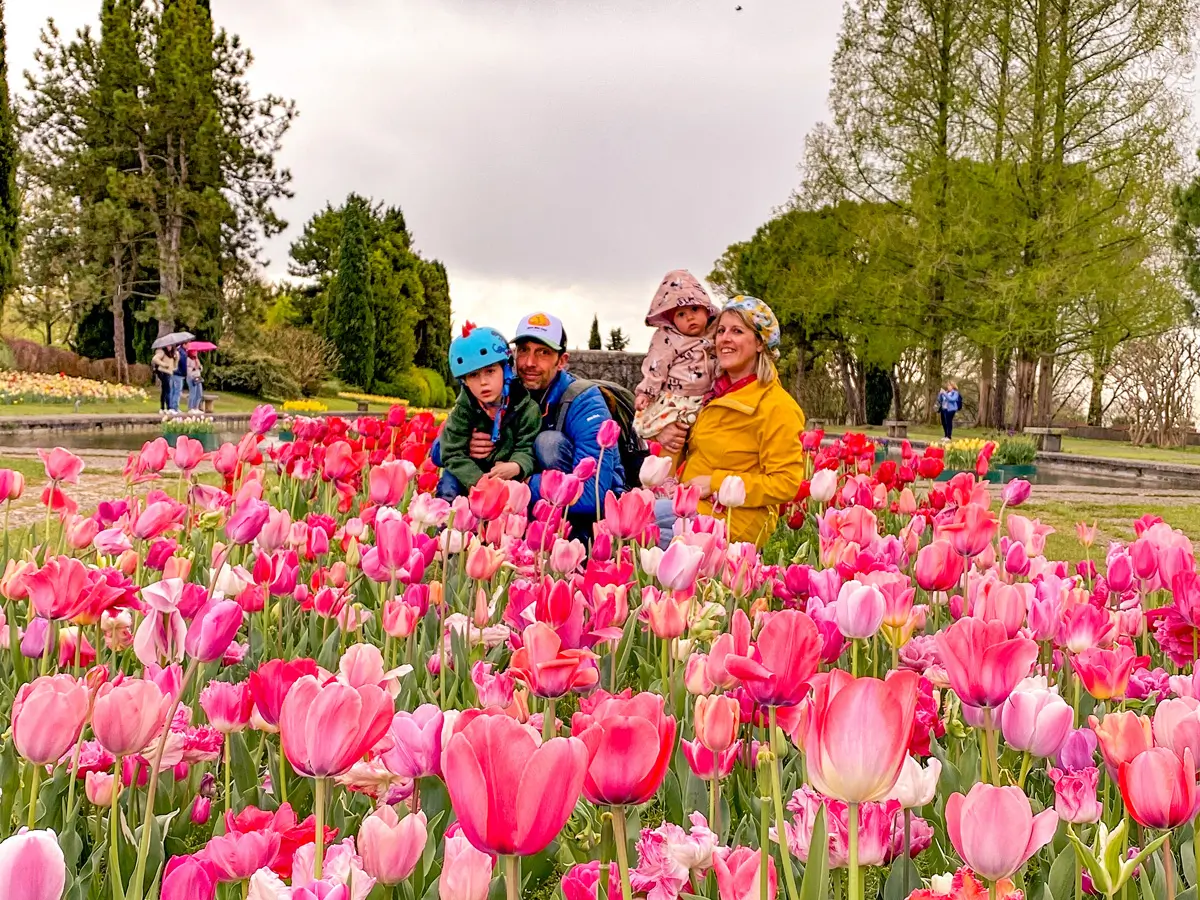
x=1016, y=492
x=1177, y=725
x=560, y=489
x=62, y=466
x=416, y=750
x=823, y=485
x=128, y=716
x=390, y=846
x=859, y=610
x=388, y=483
x=566, y=556
x=511, y=795
x=734, y=642
x=271, y=682
x=1122, y=737
x=717, y=720
x=327, y=728
x=225, y=460
x=732, y=492
x=780, y=663
x=245, y=524
x=99, y=787
x=939, y=568
x=630, y=743
x=235, y=857
x=547, y=668
x=1036, y=722
x=582, y=881
x=975, y=821
x=227, y=705
x=609, y=434
x=189, y=453
x=655, y=470
x=679, y=566
x=739, y=874
x=80, y=532
x=627, y=517
x=263, y=418
x=686, y=501
x=466, y=871
x=973, y=529
x=1159, y=788
x=1084, y=626
x=57, y=589
x=704, y=763
x=12, y=484
x=48, y=715
x=858, y=733
x=1105, y=673
x=488, y=498
x=212, y=630
x=483, y=561
x=400, y=619
x=982, y=662
x=1075, y=795
x=189, y=878
x=32, y=867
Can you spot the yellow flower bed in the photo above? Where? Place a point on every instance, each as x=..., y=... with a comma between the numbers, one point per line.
x=968, y=445
x=372, y=398
x=305, y=406
x=35, y=387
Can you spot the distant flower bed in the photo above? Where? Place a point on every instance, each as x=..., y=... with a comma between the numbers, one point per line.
x=373, y=398
x=191, y=422
x=33, y=387
x=305, y=406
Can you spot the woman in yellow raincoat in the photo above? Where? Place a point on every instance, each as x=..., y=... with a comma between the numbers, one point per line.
x=750, y=427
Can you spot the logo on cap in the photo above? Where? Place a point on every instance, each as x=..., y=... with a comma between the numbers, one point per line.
x=539, y=320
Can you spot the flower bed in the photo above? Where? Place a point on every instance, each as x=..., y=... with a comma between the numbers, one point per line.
x=467, y=693
x=30, y=387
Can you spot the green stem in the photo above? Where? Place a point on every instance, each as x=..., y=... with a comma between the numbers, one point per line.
x=512, y=877
x=988, y=728
x=319, y=803
x=854, y=657
x=714, y=798
x=34, y=784
x=1026, y=759
x=777, y=791
x=621, y=834
x=74, y=774
x=764, y=856
x=112, y=811
x=225, y=767
x=1169, y=867
x=549, y=724
x=283, y=769
x=854, y=891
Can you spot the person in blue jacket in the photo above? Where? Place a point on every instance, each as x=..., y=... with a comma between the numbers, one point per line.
x=949, y=402
x=541, y=361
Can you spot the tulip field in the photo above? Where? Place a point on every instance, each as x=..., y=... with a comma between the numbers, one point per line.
x=309, y=678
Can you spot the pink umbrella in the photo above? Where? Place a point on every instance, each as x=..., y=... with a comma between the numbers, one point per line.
x=201, y=346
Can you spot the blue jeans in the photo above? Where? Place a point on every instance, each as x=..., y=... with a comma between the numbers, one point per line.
x=664, y=515
x=551, y=450
x=176, y=390
x=195, y=392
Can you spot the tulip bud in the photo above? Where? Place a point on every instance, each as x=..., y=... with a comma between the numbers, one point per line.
x=823, y=485
x=655, y=470
x=695, y=676
x=201, y=808
x=609, y=434
x=717, y=720
x=732, y=492
x=99, y=787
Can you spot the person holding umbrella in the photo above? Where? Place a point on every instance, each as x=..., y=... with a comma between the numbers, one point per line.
x=164, y=363
x=195, y=373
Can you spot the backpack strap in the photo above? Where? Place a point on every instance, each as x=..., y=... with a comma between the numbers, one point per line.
x=574, y=389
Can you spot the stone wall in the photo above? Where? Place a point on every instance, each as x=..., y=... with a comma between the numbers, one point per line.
x=608, y=365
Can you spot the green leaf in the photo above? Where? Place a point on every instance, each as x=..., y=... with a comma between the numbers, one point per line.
x=902, y=880
x=815, y=884
x=1061, y=882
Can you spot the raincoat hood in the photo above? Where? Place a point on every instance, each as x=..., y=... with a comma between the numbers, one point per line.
x=679, y=288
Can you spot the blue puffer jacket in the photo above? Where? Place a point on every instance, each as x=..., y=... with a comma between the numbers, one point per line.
x=587, y=412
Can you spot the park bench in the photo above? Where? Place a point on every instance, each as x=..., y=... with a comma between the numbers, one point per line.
x=897, y=428
x=364, y=406
x=207, y=402
x=817, y=424
x=1048, y=439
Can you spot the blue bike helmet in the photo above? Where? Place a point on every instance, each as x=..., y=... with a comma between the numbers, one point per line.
x=476, y=348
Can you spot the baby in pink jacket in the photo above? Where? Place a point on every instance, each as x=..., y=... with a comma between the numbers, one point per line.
x=679, y=367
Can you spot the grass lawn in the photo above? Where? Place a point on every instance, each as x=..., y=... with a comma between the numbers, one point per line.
x=1188, y=456
x=1114, y=523
x=226, y=402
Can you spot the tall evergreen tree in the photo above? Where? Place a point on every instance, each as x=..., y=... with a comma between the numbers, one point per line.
x=594, y=342
x=433, y=329
x=351, y=313
x=10, y=202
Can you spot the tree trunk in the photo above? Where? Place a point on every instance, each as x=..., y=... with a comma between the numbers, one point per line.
x=1045, y=390
x=987, y=372
x=845, y=368
x=897, y=393
x=933, y=380
x=119, y=293
x=1000, y=388
x=1023, y=402
x=1096, y=399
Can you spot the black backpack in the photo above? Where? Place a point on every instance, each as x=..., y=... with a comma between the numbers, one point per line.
x=620, y=404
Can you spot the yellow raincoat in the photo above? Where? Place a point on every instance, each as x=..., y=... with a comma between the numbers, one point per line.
x=753, y=432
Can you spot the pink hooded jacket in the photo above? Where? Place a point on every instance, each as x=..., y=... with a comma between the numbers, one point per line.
x=676, y=363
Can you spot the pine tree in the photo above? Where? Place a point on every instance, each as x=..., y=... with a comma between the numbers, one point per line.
x=594, y=338
x=351, y=313
x=10, y=203
x=617, y=340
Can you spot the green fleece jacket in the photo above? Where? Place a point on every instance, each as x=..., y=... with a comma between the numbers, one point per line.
x=521, y=423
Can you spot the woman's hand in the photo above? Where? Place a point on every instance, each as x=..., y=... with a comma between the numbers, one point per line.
x=704, y=482
x=673, y=437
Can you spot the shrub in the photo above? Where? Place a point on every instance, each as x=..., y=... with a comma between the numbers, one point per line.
x=412, y=386
x=1015, y=451
x=307, y=356
x=439, y=395
x=249, y=370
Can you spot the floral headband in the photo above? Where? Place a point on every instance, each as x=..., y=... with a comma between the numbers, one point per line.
x=762, y=320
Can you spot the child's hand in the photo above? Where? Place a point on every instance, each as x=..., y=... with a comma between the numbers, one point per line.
x=641, y=402
x=505, y=471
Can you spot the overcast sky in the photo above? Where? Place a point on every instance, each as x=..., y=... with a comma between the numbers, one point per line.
x=557, y=154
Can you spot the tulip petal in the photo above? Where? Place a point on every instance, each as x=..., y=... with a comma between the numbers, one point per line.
x=549, y=789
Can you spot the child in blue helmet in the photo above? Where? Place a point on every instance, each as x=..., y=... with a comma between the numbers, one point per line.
x=493, y=401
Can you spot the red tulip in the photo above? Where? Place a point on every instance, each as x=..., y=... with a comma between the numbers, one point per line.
x=47, y=716
x=511, y=795
x=1105, y=673
x=61, y=465
x=982, y=662
x=939, y=567
x=128, y=716
x=858, y=733
x=1159, y=788
x=269, y=685
x=549, y=670
x=629, y=743
x=780, y=663
x=995, y=831
x=326, y=729
x=973, y=529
